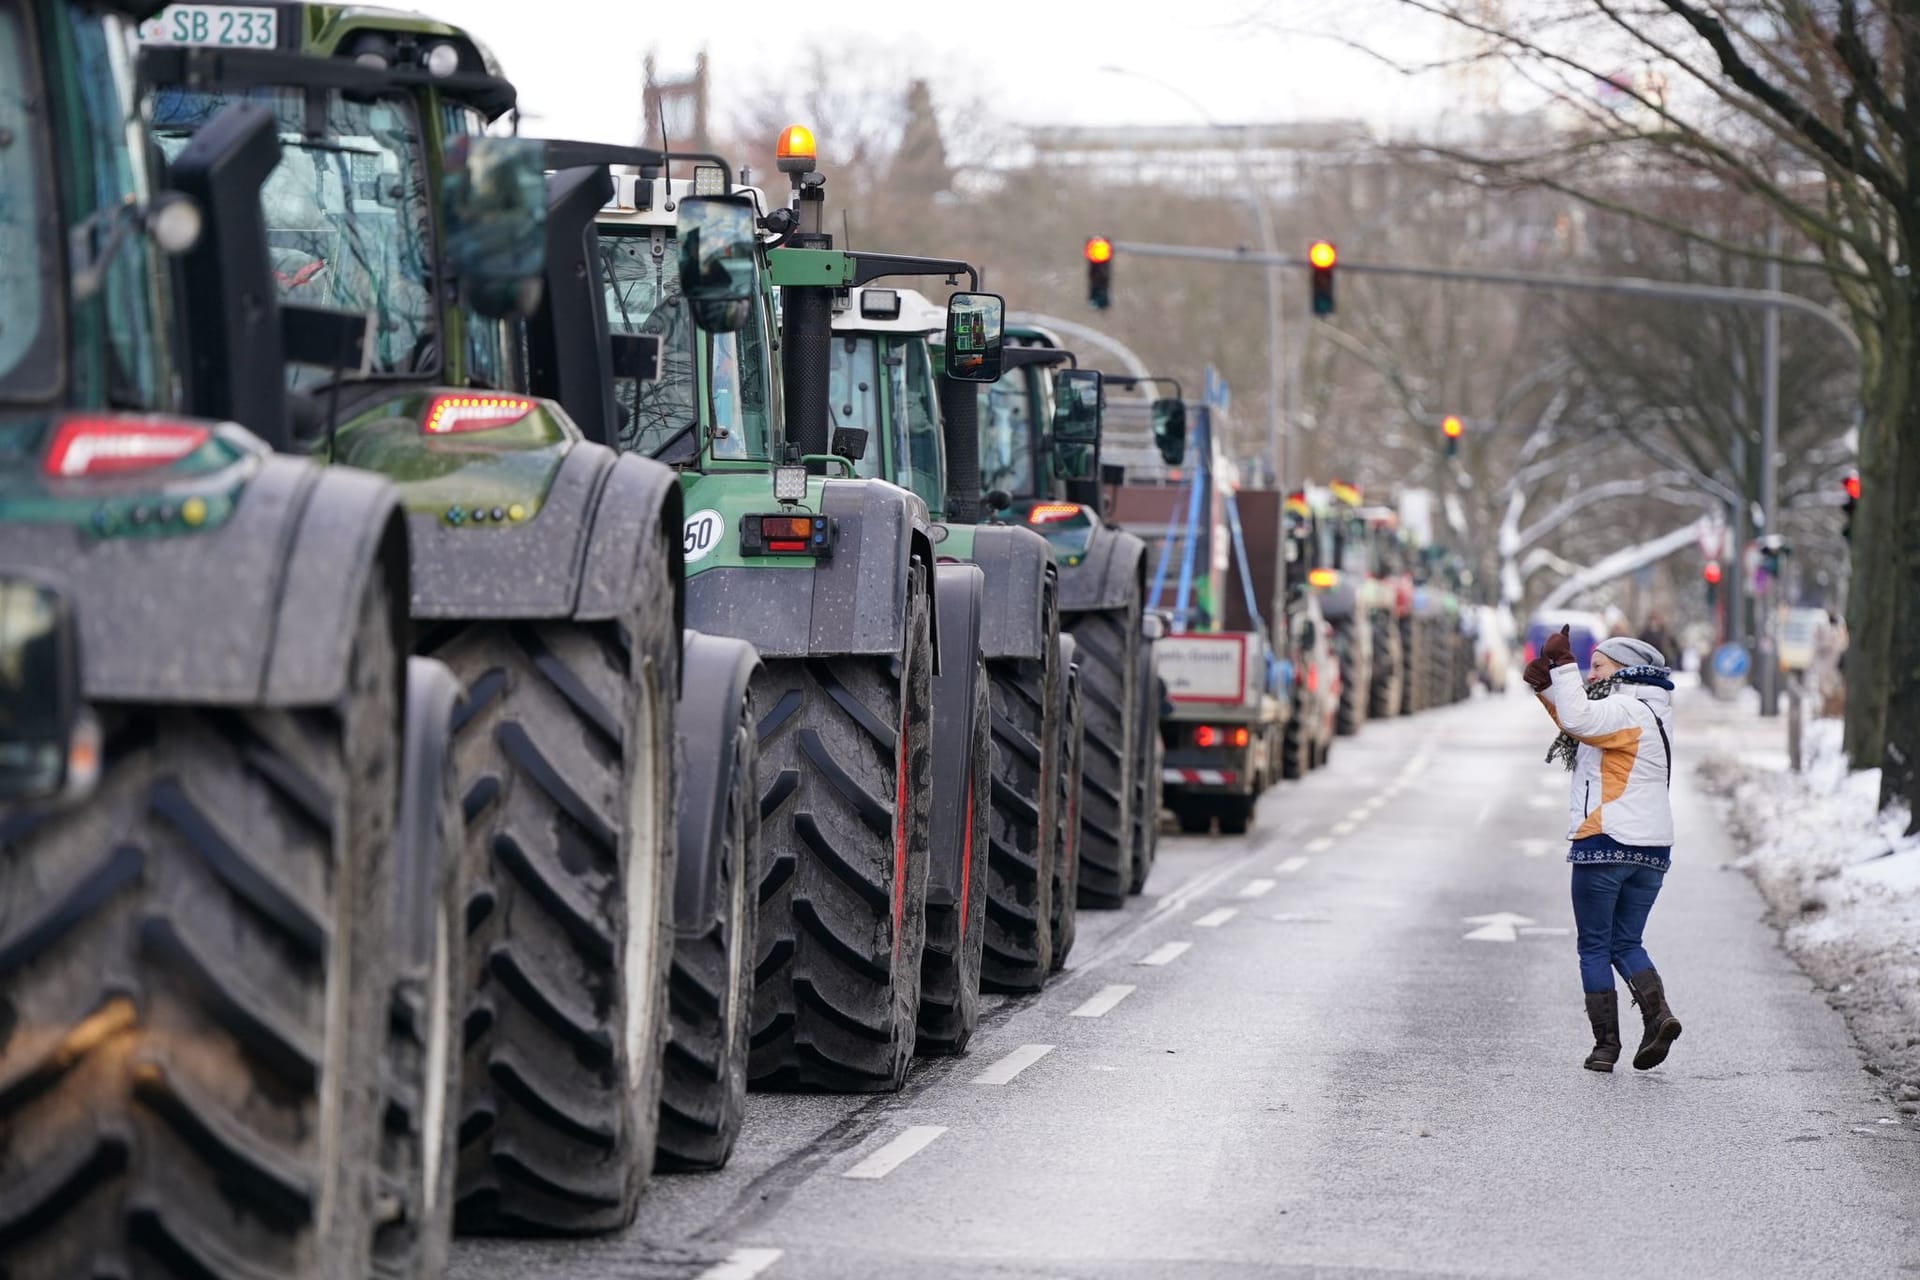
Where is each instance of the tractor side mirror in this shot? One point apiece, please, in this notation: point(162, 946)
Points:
point(1170, 429)
point(718, 264)
point(494, 197)
point(976, 331)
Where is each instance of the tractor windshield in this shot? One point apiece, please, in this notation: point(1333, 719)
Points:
point(855, 397)
point(883, 384)
point(1007, 435)
point(346, 210)
point(29, 258)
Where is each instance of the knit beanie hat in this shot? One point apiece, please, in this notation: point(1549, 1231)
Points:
point(1629, 652)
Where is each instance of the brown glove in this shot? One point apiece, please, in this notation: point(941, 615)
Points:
point(1558, 650)
point(1539, 674)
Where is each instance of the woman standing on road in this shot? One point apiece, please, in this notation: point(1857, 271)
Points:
point(1615, 742)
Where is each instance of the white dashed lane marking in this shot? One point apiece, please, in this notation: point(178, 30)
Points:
point(1166, 954)
point(1257, 888)
point(742, 1264)
point(1103, 1001)
point(1344, 828)
point(1359, 813)
point(1013, 1064)
point(1216, 917)
point(896, 1153)
point(1319, 844)
point(1291, 865)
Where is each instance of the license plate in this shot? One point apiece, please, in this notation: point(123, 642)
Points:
point(215, 24)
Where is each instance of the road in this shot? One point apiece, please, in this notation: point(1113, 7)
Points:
point(1289, 1059)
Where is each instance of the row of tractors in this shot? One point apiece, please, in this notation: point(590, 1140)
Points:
point(505, 644)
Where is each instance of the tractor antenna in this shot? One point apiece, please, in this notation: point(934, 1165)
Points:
point(666, 155)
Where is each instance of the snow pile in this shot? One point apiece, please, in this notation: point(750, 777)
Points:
point(1844, 886)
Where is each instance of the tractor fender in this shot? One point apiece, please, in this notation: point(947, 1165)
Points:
point(962, 588)
point(639, 513)
point(1019, 565)
point(257, 611)
point(432, 697)
point(1109, 576)
point(852, 602)
point(716, 673)
point(530, 570)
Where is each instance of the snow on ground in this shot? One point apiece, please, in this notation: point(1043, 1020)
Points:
point(1842, 881)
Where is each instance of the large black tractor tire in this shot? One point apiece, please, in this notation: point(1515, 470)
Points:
point(703, 1096)
point(1023, 858)
point(1235, 814)
point(1352, 711)
point(1068, 793)
point(1412, 667)
point(846, 770)
point(951, 970)
point(1147, 780)
point(1383, 698)
point(421, 1068)
point(1296, 744)
point(194, 976)
point(1108, 644)
point(565, 752)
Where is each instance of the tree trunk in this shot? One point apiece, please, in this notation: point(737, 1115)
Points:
point(1874, 593)
point(1900, 761)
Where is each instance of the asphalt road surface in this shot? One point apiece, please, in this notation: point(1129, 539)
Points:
point(1290, 1058)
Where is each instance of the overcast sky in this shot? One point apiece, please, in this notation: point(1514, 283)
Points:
point(577, 62)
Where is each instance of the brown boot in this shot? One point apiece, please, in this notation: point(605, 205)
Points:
point(1603, 1011)
point(1662, 1027)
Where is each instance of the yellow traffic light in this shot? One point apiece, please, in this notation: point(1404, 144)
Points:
point(1452, 427)
point(1322, 254)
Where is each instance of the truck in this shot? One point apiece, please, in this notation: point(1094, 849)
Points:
point(230, 891)
point(923, 435)
point(1224, 726)
point(545, 573)
point(834, 580)
point(1338, 563)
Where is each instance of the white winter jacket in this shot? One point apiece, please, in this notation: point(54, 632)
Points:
point(1622, 770)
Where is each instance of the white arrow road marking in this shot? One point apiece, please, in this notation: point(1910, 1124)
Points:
point(1216, 917)
point(1167, 954)
point(1103, 1001)
point(1257, 888)
point(1533, 847)
point(1501, 926)
point(896, 1153)
point(742, 1264)
point(1291, 865)
point(1319, 844)
point(1013, 1064)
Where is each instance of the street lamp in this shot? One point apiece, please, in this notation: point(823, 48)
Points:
point(1277, 437)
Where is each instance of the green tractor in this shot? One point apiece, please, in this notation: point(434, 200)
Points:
point(545, 573)
point(926, 428)
point(835, 581)
point(1040, 466)
point(230, 887)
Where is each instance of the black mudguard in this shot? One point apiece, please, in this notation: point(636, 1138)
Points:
point(257, 612)
point(1111, 574)
point(716, 671)
point(962, 589)
point(432, 697)
point(854, 601)
point(1023, 583)
point(574, 559)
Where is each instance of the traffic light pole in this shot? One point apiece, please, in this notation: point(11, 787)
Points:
point(1773, 300)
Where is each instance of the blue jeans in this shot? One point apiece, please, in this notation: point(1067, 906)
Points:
point(1611, 902)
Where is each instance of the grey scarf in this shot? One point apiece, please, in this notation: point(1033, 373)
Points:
point(1566, 747)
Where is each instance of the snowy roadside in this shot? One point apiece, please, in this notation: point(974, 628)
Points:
point(1842, 883)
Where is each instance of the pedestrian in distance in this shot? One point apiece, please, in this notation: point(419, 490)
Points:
point(1616, 744)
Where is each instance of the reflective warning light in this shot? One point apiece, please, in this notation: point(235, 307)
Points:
point(794, 152)
point(1323, 577)
point(114, 446)
point(1054, 512)
point(1852, 485)
point(1711, 572)
point(1240, 737)
point(1322, 254)
point(1451, 427)
point(1206, 736)
point(451, 413)
point(1099, 249)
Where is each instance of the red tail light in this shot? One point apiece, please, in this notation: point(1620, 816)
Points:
point(1206, 736)
point(1054, 512)
point(1240, 737)
point(485, 412)
point(115, 446)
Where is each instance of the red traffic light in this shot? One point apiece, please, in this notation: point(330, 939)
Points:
point(1852, 484)
point(1099, 249)
point(1711, 572)
point(1451, 427)
point(1321, 254)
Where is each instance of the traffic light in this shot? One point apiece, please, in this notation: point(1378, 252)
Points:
point(1852, 484)
point(1100, 272)
point(1711, 572)
point(1321, 256)
point(1452, 428)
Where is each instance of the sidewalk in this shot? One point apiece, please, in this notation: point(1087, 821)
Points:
point(1841, 883)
